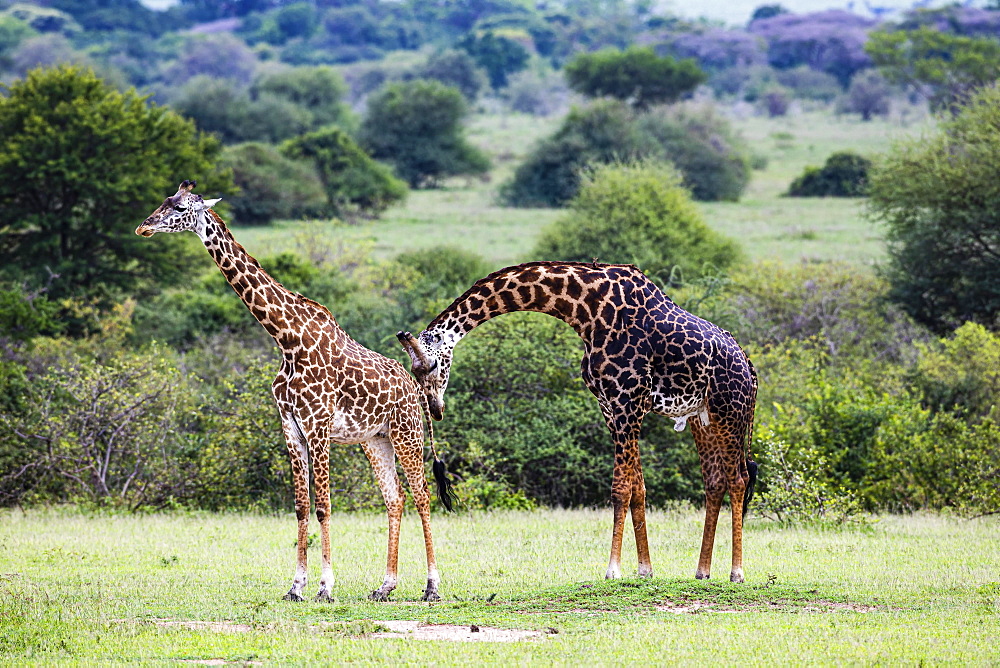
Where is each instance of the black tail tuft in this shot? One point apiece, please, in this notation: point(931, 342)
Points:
point(748, 494)
point(445, 492)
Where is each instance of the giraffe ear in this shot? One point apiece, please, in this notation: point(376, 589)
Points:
point(209, 203)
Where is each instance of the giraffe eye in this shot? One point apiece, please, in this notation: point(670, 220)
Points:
point(181, 207)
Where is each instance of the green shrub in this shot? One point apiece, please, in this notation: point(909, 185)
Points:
point(417, 126)
point(636, 75)
point(845, 174)
point(638, 214)
point(243, 460)
point(962, 372)
point(700, 142)
point(519, 415)
point(354, 183)
point(601, 133)
point(271, 185)
point(715, 164)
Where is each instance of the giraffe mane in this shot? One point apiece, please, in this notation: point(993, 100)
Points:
point(524, 265)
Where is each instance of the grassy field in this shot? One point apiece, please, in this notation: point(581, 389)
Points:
point(169, 588)
point(465, 213)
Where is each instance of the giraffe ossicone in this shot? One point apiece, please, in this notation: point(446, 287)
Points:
point(329, 389)
point(643, 354)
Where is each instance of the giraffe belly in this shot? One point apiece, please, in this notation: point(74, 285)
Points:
point(681, 407)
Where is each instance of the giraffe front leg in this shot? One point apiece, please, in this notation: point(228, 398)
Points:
point(321, 485)
point(621, 494)
point(411, 457)
point(298, 453)
point(638, 506)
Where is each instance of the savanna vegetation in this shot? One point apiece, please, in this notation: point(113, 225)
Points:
point(824, 186)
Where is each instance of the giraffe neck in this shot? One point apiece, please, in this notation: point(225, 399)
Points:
point(280, 311)
point(578, 294)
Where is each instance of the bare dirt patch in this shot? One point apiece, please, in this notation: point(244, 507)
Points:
point(419, 631)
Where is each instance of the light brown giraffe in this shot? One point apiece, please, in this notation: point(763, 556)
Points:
point(330, 389)
point(642, 353)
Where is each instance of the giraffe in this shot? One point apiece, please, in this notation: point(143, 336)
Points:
point(330, 389)
point(642, 353)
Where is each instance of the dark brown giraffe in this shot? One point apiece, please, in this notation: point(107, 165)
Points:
point(330, 389)
point(642, 353)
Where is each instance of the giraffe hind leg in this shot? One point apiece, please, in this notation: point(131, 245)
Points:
point(382, 458)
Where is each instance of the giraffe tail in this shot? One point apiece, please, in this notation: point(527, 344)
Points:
point(751, 464)
point(444, 485)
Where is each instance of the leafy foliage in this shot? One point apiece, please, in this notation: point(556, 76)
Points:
point(637, 76)
point(938, 197)
point(638, 214)
point(845, 174)
point(417, 126)
point(354, 183)
point(80, 166)
point(500, 56)
point(271, 185)
point(867, 95)
point(830, 41)
point(699, 142)
point(947, 68)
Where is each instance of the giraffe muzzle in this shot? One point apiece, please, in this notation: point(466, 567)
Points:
point(145, 231)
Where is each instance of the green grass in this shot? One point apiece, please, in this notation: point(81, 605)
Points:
point(465, 213)
point(79, 588)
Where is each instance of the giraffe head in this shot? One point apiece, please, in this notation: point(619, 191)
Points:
point(430, 358)
point(178, 213)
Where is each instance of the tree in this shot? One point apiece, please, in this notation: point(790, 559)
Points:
point(830, 41)
point(417, 126)
point(868, 95)
point(354, 183)
point(80, 166)
point(943, 67)
point(636, 75)
point(939, 198)
point(454, 68)
point(320, 90)
point(496, 54)
point(638, 214)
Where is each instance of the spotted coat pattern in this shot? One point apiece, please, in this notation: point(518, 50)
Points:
point(642, 353)
point(330, 389)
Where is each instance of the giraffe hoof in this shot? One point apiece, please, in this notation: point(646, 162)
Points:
point(323, 597)
point(292, 596)
point(702, 576)
point(430, 596)
point(379, 595)
point(736, 577)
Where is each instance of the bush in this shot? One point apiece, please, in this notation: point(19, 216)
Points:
point(537, 94)
point(698, 141)
point(520, 418)
point(942, 220)
point(318, 90)
point(101, 431)
point(417, 126)
point(271, 185)
point(845, 174)
point(701, 143)
point(638, 214)
point(550, 176)
point(961, 373)
point(354, 183)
